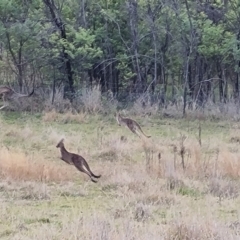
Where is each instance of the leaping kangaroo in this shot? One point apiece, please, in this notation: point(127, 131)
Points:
point(8, 93)
point(78, 161)
point(131, 124)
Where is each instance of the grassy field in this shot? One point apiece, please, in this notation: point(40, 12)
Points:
point(145, 192)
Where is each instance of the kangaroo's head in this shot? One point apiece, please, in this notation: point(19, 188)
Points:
point(60, 144)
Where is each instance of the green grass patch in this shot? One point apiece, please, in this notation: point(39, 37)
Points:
point(188, 191)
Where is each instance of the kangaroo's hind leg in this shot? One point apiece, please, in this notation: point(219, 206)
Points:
point(89, 170)
point(81, 168)
point(5, 103)
point(135, 130)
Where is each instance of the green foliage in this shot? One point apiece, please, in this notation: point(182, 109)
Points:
point(161, 32)
point(123, 66)
point(213, 40)
point(85, 44)
point(187, 191)
point(79, 45)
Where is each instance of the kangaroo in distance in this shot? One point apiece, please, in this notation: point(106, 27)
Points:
point(78, 161)
point(131, 124)
point(8, 93)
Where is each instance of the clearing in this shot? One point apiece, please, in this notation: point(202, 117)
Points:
point(144, 192)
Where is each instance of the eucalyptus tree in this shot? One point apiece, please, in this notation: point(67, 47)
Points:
point(19, 30)
point(73, 44)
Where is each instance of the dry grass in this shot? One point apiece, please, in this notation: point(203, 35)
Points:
point(92, 99)
point(197, 229)
point(145, 192)
point(17, 165)
point(67, 117)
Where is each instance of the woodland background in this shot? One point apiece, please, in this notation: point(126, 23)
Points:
point(163, 52)
point(152, 58)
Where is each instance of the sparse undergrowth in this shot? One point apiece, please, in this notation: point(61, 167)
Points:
point(166, 187)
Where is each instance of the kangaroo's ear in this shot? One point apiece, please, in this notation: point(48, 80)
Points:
point(61, 141)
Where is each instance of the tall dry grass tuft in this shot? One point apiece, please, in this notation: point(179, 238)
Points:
point(57, 101)
point(91, 99)
point(18, 166)
point(195, 165)
point(229, 164)
point(184, 155)
point(153, 160)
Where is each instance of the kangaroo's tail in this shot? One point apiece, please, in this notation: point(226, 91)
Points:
point(143, 132)
point(88, 168)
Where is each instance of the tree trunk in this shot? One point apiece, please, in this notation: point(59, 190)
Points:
point(238, 74)
point(219, 70)
point(133, 21)
point(66, 61)
point(188, 50)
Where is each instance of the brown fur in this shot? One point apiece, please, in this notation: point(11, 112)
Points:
point(78, 161)
point(131, 124)
point(8, 93)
